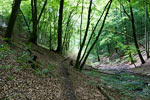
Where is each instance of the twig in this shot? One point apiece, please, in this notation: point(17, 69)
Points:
point(104, 92)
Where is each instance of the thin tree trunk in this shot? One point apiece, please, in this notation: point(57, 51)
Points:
point(108, 48)
point(130, 54)
point(134, 35)
point(12, 19)
point(35, 19)
point(45, 2)
point(55, 27)
point(67, 29)
point(81, 22)
point(25, 21)
point(146, 30)
point(97, 37)
point(98, 58)
point(59, 48)
point(93, 32)
point(33, 37)
point(85, 36)
point(50, 36)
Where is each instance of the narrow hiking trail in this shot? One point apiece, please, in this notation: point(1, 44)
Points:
point(18, 81)
point(69, 91)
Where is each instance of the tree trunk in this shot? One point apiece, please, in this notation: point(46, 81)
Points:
point(134, 35)
point(27, 24)
point(33, 37)
point(59, 48)
point(81, 22)
point(50, 37)
point(108, 48)
point(85, 36)
point(35, 20)
point(146, 30)
point(67, 30)
point(12, 19)
point(93, 33)
point(97, 51)
point(97, 37)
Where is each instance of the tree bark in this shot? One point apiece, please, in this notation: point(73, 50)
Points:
point(97, 37)
point(108, 48)
point(146, 30)
point(97, 51)
point(134, 35)
point(85, 36)
point(27, 24)
point(59, 48)
point(12, 19)
point(81, 22)
point(93, 33)
point(33, 37)
point(35, 20)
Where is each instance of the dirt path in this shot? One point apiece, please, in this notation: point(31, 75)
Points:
point(19, 81)
point(68, 88)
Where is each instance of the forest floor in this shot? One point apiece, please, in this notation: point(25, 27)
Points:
point(48, 78)
point(51, 77)
point(120, 64)
point(130, 80)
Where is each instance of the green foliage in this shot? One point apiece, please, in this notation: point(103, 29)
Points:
point(48, 70)
point(129, 85)
point(45, 72)
point(7, 67)
point(4, 51)
point(28, 45)
point(6, 99)
point(24, 57)
point(117, 26)
point(24, 66)
point(5, 39)
point(10, 78)
point(5, 7)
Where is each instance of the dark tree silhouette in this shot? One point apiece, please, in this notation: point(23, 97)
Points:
point(35, 20)
point(134, 35)
point(59, 48)
point(12, 19)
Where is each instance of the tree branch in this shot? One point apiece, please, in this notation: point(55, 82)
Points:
point(42, 11)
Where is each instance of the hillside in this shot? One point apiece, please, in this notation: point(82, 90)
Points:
point(74, 50)
point(49, 77)
point(52, 79)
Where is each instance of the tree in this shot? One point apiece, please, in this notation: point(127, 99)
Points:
point(97, 37)
point(134, 34)
point(59, 48)
point(81, 22)
point(132, 20)
point(146, 29)
point(35, 20)
point(12, 19)
point(81, 61)
point(85, 35)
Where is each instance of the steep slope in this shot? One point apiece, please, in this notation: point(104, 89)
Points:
point(48, 77)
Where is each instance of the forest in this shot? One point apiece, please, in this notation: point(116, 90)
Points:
point(74, 50)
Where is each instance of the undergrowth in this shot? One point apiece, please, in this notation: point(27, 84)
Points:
point(128, 85)
point(24, 61)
